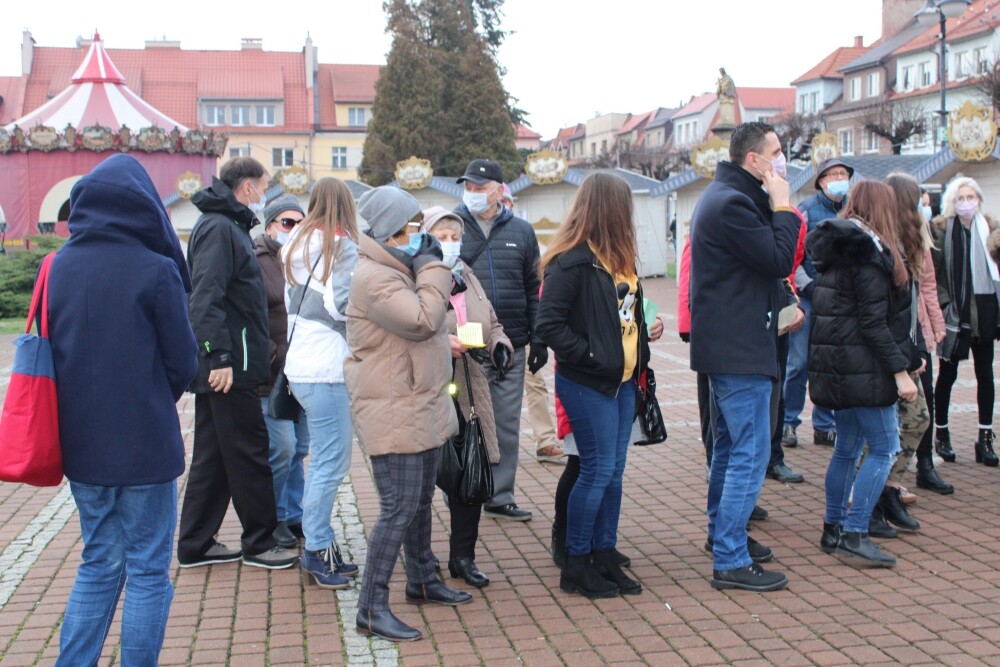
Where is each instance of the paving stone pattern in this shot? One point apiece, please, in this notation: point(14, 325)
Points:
point(941, 605)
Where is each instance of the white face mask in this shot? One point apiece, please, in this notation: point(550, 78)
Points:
point(477, 202)
point(451, 250)
point(281, 238)
point(258, 207)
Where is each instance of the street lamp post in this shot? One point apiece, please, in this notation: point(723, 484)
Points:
point(939, 11)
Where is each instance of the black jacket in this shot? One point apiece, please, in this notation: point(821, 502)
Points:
point(861, 322)
point(227, 305)
point(740, 252)
point(506, 264)
point(268, 256)
point(578, 320)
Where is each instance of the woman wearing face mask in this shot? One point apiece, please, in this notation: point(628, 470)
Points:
point(470, 306)
point(968, 289)
point(319, 259)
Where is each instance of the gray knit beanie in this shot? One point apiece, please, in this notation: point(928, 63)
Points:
point(280, 205)
point(387, 209)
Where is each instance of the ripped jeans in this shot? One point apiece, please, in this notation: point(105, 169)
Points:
point(879, 427)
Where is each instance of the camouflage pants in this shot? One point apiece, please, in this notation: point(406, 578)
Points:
point(913, 422)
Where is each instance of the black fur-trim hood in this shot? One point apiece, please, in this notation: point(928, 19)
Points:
point(839, 242)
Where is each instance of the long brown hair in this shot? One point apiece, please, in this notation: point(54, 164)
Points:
point(331, 213)
point(601, 215)
point(910, 222)
point(874, 204)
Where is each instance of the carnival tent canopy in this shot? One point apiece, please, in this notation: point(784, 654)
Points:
point(97, 96)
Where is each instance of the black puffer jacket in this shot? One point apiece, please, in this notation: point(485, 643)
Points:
point(506, 264)
point(861, 322)
point(227, 305)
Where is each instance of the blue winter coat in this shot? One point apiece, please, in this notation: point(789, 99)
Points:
point(122, 344)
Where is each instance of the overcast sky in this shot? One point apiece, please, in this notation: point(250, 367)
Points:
point(565, 61)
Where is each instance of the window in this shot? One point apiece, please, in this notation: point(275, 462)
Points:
point(802, 104)
point(924, 72)
point(604, 146)
point(962, 65)
point(846, 140)
point(908, 80)
point(282, 157)
point(813, 102)
point(855, 89)
point(357, 116)
point(873, 84)
point(242, 151)
point(215, 115)
point(871, 142)
point(593, 149)
point(241, 115)
point(339, 157)
point(265, 115)
point(979, 60)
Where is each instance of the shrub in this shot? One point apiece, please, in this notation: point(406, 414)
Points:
point(17, 274)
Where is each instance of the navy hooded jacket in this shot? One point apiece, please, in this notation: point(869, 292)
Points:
point(122, 344)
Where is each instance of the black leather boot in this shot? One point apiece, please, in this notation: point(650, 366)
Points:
point(559, 546)
point(831, 537)
point(607, 565)
point(465, 568)
point(984, 449)
point(580, 576)
point(942, 444)
point(859, 546)
point(928, 478)
point(894, 511)
point(385, 625)
point(877, 526)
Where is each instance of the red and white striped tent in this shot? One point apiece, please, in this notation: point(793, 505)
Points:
point(97, 95)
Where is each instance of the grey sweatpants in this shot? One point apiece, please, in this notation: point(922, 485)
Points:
point(507, 396)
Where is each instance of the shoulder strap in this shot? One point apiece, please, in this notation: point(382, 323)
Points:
point(303, 298)
point(40, 298)
point(468, 384)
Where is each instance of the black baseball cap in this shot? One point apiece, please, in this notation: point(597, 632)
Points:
point(481, 171)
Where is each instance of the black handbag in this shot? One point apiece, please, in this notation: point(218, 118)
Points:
point(654, 430)
point(281, 403)
point(476, 485)
point(449, 473)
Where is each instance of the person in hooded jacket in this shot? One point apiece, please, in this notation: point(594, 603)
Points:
point(397, 377)
point(124, 353)
point(228, 310)
point(861, 354)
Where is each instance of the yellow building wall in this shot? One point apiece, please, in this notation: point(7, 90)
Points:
point(343, 115)
point(322, 154)
point(261, 147)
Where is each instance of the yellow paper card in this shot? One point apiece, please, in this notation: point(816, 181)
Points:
point(471, 334)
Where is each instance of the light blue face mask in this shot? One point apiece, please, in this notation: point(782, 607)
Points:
point(838, 188)
point(925, 212)
point(282, 238)
point(416, 239)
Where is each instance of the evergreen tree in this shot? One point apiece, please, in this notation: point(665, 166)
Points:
point(440, 96)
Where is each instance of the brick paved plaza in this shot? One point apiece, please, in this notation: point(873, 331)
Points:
point(941, 605)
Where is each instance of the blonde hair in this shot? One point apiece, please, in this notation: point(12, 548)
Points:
point(331, 213)
point(950, 192)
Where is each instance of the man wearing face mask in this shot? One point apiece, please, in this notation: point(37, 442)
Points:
point(229, 316)
point(502, 251)
point(744, 234)
point(832, 182)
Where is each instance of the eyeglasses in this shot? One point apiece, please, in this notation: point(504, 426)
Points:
point(966, 199)
point(288, 223)
point(837, 174)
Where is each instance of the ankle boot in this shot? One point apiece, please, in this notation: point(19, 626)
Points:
point(607, 565)
point(942, 444)
point(831, 537)
point(928, 478)
point(859, 546)
point(984, 449)
point(580, 576)
point(877, 526)
point(559, 546)
point(895, 512)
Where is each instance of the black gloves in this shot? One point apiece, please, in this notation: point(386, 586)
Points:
point(429, 251)
point(457, 284)
point(501, 361)
point(538, 356)
point(685, 336)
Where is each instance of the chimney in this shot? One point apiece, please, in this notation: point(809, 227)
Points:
point(163, 43)
point(27, 52)
point(311, 61)
point(897, 14)
point(859, 42)
point(251, 44)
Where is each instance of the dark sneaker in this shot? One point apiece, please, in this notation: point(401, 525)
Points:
point(275, 558)
point(284, 537)
point(341, 566)
point(758, 552)
point(296, 529)
point(825, 438)
point(758, 513)
point(217, 553)
point(319, 566)
point(879, 527)
point(788, 437)
point(750, 578)
point(784, 474)
point(509, 512)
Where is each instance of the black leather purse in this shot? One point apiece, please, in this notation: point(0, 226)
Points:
point(651, 423)
point(281, 403)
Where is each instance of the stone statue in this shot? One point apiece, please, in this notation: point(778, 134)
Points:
point(726, 92)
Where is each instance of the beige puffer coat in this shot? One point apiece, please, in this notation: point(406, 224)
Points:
point(478, 309)
point(400, 363)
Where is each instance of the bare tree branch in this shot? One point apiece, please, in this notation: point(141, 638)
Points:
point(895, 121)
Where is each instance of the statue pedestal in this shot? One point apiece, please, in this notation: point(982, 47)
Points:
point(724, 131)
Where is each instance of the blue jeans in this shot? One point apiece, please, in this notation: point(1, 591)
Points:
point(601, 427)
point(879, 427)
point(328, 414)
point(128, 539)
point(797, 376)
point(742, 451)
point(289, 445)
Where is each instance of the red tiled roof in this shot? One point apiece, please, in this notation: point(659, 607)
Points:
point(525, 132)
point(980, 17)
point(696, 105)
point(766, 98)
point(827, 68)
point(11, 89)
point(341, 84)
point(637, 121)
point(561, 142)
